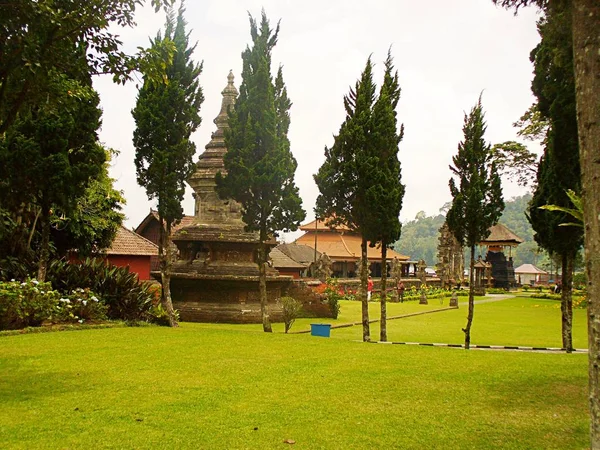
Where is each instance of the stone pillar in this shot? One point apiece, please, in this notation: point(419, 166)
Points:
point(454, 299)
point(423, 299)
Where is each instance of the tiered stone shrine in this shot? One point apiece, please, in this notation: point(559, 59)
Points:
point(215, 276)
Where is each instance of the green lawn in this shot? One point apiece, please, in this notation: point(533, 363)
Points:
point(521, 321)
point(226, 386)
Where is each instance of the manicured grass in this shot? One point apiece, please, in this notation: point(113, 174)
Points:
point(520, 321)
point(227, 386)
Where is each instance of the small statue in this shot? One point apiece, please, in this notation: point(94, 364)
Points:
point(323, 268)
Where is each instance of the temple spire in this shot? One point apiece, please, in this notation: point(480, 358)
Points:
point(229, 94)
point(209, 208)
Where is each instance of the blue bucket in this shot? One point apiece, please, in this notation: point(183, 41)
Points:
point(320, 329)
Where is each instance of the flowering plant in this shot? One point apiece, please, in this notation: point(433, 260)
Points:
point(27, 303)
point(80, 305)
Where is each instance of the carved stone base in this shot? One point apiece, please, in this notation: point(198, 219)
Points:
point(423, 300)
point(454, 300)
point(227, 300)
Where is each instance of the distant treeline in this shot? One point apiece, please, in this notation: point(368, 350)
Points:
point(419, 238)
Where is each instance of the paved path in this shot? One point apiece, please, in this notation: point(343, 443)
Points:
point(490, 298)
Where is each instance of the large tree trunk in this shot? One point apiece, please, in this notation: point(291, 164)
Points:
point(383, 329)
point(364, 275)
point(262, 283)
point(566, 302)
point(467, 329)
point(166, 264)
point(45, 244)
point(586, 51)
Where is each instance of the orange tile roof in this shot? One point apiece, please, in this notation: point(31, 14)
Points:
point(322, 226)
point(128, 242)
point(344, 246)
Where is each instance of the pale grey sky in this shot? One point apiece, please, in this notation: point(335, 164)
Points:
point(446, 53)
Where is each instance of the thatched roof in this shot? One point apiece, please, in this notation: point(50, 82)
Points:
point(502, 236)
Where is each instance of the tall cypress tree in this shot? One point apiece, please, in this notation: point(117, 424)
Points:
point(559, 170)
point(477, 202)
point(347, 173)
point(260, 166)
point(165, 115)
point(385, 195)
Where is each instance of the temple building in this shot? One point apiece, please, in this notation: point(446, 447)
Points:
point(215, 276)
point(499, 241)
point(343, 247)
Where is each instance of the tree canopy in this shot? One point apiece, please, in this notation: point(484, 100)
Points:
point(348, 172)
point(343, 178)
point(260, 166)
point(93, 224)
point(49, 155)
point(477, 201)
point(559, 169)
point(385, 195)
point(35, 36)
point(166, 114)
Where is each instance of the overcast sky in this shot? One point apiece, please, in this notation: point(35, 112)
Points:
point(446, 53)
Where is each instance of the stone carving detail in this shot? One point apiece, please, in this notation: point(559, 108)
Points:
point(323, 267)
point(359, 268)
point(450, 266)
point(209, 208)
point(421, 274)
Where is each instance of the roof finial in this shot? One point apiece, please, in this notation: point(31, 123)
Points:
point(230, 77)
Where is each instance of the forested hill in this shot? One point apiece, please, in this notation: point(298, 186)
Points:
point(419, 237)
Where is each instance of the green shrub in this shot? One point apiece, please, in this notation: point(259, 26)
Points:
point(496, 291)
point(579, 300)
point(26, 304)
point(12, 267)
point(291, 309)
point(580, 280)
point(333, 296)
point(159, 315)
point(125, 296)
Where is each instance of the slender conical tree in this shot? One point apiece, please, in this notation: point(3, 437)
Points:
point(559, 170)
point(477, 201)
point(260, 166)
point(165, 115)
point(385, 195)
point(346, 174)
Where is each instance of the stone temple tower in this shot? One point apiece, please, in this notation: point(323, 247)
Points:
point(209, 208)
point(215, 276)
